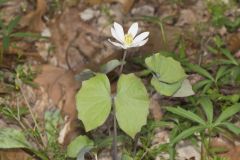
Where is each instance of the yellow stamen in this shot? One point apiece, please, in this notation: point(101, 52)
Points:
point(128, 39)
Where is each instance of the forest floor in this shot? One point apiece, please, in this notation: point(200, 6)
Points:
point(48, 45)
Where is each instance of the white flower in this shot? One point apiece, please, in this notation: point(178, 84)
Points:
point(130, 39)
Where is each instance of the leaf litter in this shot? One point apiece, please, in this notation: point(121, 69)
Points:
point(77, 41)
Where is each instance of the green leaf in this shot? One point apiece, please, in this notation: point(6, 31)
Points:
point(186, 114)
point(221, 72)
point(227, 113)
point(228, 54)
point(3, 1)
point(200, 70)
point(78, 145)
point(52, 120)
point(231, 127)
point(1, 22)
point(6, 42)
point(165, 88)
point(12, 138)
point(185, 90)
point(201, 84)
point(12, 24)
point(126, 157)
point(167, 69)
point(186, 133)
point(132, 104)
point(94, 101)
point(110, 66)
point(207, 107)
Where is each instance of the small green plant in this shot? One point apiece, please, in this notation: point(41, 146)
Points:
point(207, 126)
point(16, 138)
point(130, 103)
point(218, 9)
point(8, 33)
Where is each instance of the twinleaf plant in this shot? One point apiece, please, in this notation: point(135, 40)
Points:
point(130, 103)
point(94, 102)
point(169, 78)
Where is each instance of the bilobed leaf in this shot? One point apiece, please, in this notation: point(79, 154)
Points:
point(186, 114)
point(228, 112)
point(207, 107)
point(94, 101)
point(167, 69)
point(12, 138)
point(186, 133)
point(185, 90)
point(132, 104)
point(233, 128)
point(78, 145)
point(165, 88)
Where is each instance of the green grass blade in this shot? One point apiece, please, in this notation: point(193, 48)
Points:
point(186, 114)
point(207, 107)
point(187, 133)
point(200, 70)
point(227, 113)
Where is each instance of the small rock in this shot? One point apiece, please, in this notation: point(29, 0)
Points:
point(145, 10)
point(187, 151)
point(88, 14)
point(46, 33)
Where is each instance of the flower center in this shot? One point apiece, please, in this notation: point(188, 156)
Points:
point(128, 39)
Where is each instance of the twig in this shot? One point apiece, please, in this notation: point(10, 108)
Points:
point(32, 115)
point(114, 144)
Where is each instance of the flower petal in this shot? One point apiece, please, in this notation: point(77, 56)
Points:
point(116, 44)
point(133, 29)
point(115, 35)
point(140, 43)
point(140, 37)
point(119, 31)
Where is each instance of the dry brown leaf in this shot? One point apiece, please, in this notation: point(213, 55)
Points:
point(68, 29)
point(155, 108)
point(59, 84)
point(33, 20)
point(233, 41)
point(232, 151)
point(14, 154)
point(61, 88)
point(127, 4)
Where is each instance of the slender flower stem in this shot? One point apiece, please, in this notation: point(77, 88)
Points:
point(122, 64)
point(114, 144)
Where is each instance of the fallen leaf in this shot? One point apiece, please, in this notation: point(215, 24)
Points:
point(61, 88)
point(233, 42)
point(33, 20)
point(14, 154)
